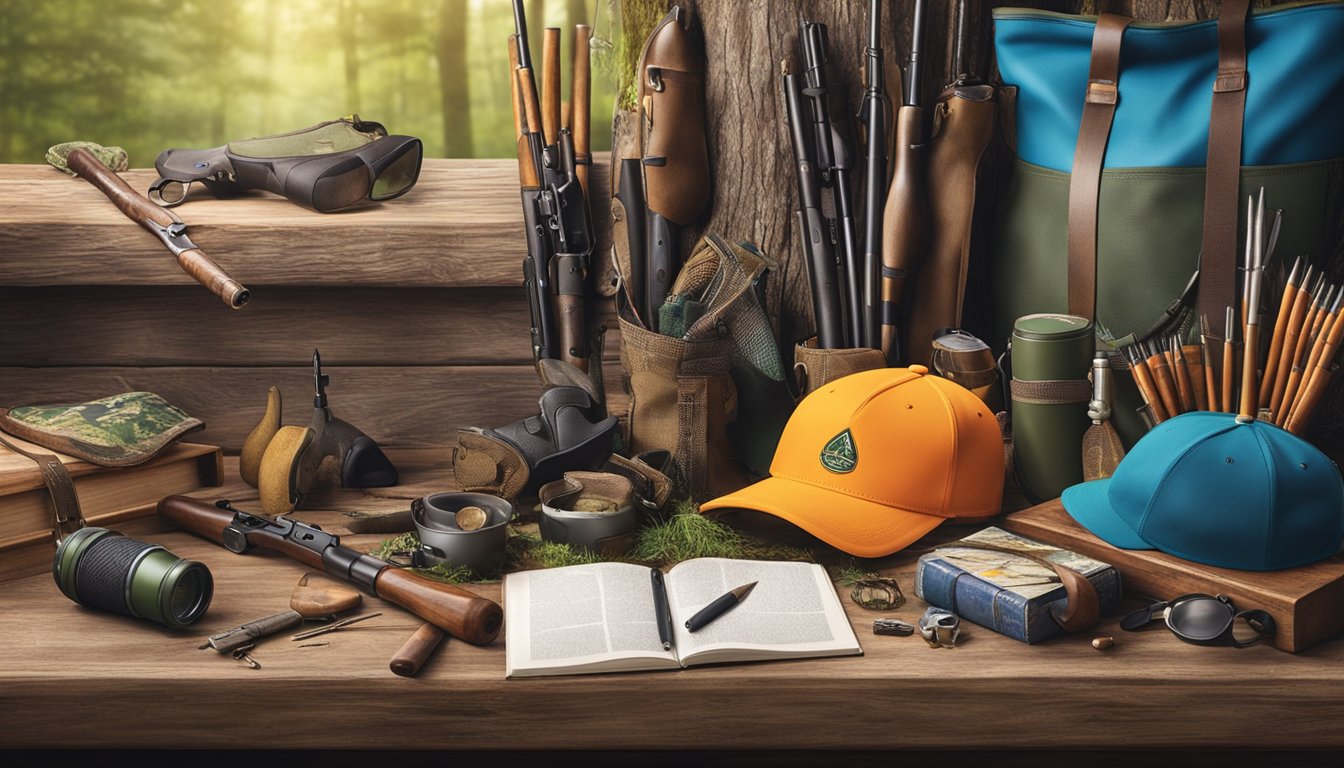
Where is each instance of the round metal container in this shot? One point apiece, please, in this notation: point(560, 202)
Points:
point(443, 541)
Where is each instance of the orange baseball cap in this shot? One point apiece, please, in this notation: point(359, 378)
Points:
point(873, 461)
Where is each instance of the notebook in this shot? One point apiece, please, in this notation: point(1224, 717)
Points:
point(601, 617)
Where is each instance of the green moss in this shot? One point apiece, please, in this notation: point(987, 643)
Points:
point(685, 535)
point(851, 573)
point(638, 18)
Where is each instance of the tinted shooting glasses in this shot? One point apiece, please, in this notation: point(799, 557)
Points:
point(1205, 620)
point(327, 168)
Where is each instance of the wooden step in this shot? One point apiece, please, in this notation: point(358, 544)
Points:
point(461, 226)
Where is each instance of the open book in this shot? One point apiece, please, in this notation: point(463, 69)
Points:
point(602, 617)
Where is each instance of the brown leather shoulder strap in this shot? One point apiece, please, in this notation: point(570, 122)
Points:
point(1103, 81)
point(1218, 256)
point(64, 500)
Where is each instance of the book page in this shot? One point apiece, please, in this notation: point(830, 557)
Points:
point(590, 618)
point(793, 611)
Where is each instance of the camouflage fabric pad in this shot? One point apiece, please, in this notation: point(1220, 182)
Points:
point(114, 158)
point(321, 139)
point(117, 431)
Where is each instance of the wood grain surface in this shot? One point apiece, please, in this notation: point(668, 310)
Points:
point(1305, 602)
point(461, 226)
point(128, 683)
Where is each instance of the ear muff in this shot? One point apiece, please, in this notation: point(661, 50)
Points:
point(254, 447)
point(279, 475)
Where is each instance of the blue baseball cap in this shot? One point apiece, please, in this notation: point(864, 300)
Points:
point(1219, 489)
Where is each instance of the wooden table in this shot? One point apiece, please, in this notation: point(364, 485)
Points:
point(128, 683)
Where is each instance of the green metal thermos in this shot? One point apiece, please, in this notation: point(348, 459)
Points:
point(1051, 355)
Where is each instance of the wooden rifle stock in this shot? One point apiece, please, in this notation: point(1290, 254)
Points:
point(550, 84)
point(453, 609)
point(161, 223)
point(580, 100)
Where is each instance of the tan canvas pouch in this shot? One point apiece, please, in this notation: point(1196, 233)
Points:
point(814, 368)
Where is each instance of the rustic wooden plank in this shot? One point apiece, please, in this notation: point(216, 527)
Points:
point(61, 659)
point(61, 326)
point(1303, 601)
point(460, 227)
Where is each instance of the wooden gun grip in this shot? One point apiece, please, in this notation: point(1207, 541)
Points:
point(455, 610)
point(550, 84)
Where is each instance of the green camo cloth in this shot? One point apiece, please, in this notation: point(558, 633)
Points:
point(117, 431)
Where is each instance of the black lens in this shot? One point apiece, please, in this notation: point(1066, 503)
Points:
point(1200, 619)
point(397, 174)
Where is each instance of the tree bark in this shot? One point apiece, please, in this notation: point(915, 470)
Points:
point(454, 83)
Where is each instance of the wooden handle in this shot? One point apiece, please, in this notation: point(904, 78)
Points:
point(453, 609)
point(1285, 367)
point(581, 102)
point(1185, 388)
point(1194, 363)
point(416, 651)
point(550, 84)
point(1276, 344)
point(529, 176)
point(134, 205)
point(1144, 378)
point(1227, 399)
point(573, 343)
point(1250, 393)
point(208, 521)
point(1166, 385)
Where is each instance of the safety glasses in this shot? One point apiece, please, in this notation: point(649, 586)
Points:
point(1205, 620)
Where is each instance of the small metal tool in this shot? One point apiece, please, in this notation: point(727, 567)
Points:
point(894, 627)
point(343, 623)
point(244, 654)
point(940, 628)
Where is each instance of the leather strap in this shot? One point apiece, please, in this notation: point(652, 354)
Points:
point(1103, 81)
point(64, 501)
point(1222, 183)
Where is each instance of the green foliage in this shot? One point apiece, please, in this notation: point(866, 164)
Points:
point(152, 74)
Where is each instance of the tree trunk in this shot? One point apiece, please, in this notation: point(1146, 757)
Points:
point(454, 85)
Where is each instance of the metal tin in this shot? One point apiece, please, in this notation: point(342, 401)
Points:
point(610, 533)
point(443, 541)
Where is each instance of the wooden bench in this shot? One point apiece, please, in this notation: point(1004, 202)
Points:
point(416, 305)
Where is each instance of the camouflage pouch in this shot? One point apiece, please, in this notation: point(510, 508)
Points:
point(118, 431)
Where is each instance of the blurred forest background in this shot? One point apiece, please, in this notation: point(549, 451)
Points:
point(152, 74)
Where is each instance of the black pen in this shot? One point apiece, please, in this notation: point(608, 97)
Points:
point(660, 607)
point(720, 606)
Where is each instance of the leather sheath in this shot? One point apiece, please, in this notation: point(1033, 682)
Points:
point(672, 123)
point(814, 368)
point(963, 125)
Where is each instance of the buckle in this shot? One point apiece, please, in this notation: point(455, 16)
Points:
point(1230, 80)
point(1102, 92)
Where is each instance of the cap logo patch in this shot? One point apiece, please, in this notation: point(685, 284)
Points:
point(840, 455)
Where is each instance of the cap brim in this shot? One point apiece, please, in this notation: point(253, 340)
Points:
point(857, 526)
point(1089, 504)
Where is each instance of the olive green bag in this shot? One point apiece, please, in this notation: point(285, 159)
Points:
point(1108, 212)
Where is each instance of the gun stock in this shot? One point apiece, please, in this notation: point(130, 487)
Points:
point(453, 609)
point(581, 99)
point(162, 224)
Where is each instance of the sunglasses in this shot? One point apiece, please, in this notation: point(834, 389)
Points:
point(1205, 620)
point(381, 170)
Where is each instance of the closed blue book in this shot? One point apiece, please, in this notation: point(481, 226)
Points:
point(1008, 594)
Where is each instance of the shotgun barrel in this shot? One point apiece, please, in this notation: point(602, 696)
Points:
point(455, 610)
point(875, 113)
